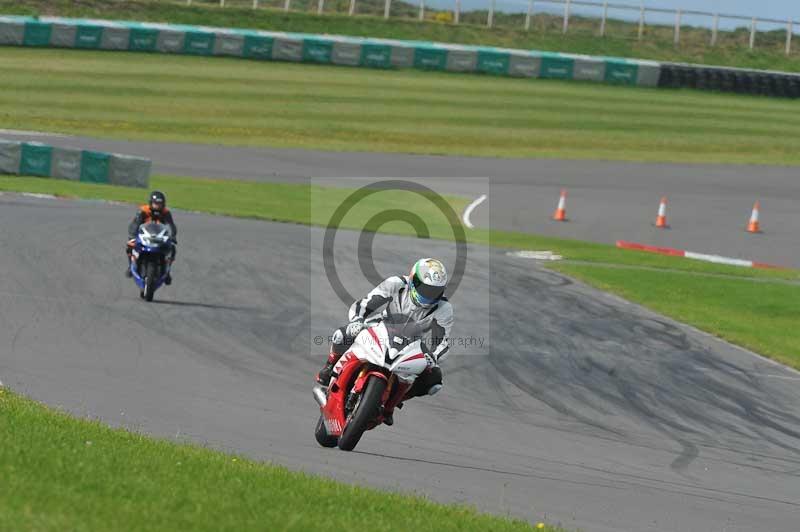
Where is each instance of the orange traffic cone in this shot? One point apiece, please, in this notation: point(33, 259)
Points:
point(561, 211)
point(753, 226)
point(661, 219)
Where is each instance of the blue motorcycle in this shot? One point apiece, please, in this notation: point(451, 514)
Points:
point(152, 251)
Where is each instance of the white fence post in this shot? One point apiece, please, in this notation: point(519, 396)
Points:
point(457, 12)
point(255, 4)
point(320, 6)
point(603, 20)
point(641, 22)
point(422, 9)
point(789, 31)
point(352, 9)
point(221, 3)
point(287, 5)
point(490, 17)
point(753, 33)
point(188, 2)
point(387, 7)
point(529, 15)
point(678, 14)
point(566, 16)
point(715, 30)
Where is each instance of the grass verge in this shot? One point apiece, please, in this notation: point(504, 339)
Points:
point(241, 102)
point(62, 473)
point(732, 47)
point(750, 307)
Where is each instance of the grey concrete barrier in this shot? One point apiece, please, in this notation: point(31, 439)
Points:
point(327, 49)
point(74, 164)
point(386, 53)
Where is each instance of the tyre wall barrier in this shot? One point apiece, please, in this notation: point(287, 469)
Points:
point(739, 80)
point(326, 49)
point(36, 159)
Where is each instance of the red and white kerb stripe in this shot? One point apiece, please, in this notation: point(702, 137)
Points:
point(718, 259)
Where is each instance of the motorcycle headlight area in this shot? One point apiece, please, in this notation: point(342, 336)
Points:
point(150, 239)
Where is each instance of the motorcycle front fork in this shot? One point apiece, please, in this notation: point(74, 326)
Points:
point(135, 260)
point(352, 399)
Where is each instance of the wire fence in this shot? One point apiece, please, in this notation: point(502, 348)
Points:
point(601, 19)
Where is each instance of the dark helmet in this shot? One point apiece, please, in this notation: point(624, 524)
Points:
point(158, 202)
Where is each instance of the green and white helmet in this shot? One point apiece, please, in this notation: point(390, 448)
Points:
point(427, 281)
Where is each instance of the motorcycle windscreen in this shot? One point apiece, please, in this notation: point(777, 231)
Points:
point(403, 330)
point(155, 229)
point(155, 234)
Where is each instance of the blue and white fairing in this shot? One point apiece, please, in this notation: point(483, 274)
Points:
point(152, 239)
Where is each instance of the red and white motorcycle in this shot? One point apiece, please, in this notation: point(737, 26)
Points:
point(371, 377)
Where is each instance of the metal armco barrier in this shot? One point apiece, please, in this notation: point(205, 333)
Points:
point(73, 164)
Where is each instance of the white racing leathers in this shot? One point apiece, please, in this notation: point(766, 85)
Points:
point(432, 324)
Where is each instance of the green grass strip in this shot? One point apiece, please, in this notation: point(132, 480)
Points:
point(240, 102)
point(61, 473)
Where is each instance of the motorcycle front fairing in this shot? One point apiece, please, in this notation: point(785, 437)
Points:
point(400, 357)
point(373, 353)
point(152, 239)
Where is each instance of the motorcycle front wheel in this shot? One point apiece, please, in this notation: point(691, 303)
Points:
point(150, 278)
point(364, 413)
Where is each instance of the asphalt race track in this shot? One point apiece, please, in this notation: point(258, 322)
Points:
point(709, 205)
point(589, 411)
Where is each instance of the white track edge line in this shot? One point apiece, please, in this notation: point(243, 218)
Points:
point(470, 208)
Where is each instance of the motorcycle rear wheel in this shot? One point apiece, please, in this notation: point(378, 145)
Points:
point(322, 436)
point(365, 412)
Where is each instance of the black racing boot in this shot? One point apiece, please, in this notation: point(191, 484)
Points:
point(168, 278)
point(388, 415)
point(128, 255)
point(324, 375)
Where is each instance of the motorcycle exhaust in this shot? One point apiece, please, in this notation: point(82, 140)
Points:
point(434, 389)
point(320, 395)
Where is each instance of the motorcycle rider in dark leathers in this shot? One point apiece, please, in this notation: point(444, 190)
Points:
point(155, 210)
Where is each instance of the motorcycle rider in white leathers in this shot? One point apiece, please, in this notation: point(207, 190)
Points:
point(417, 297)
